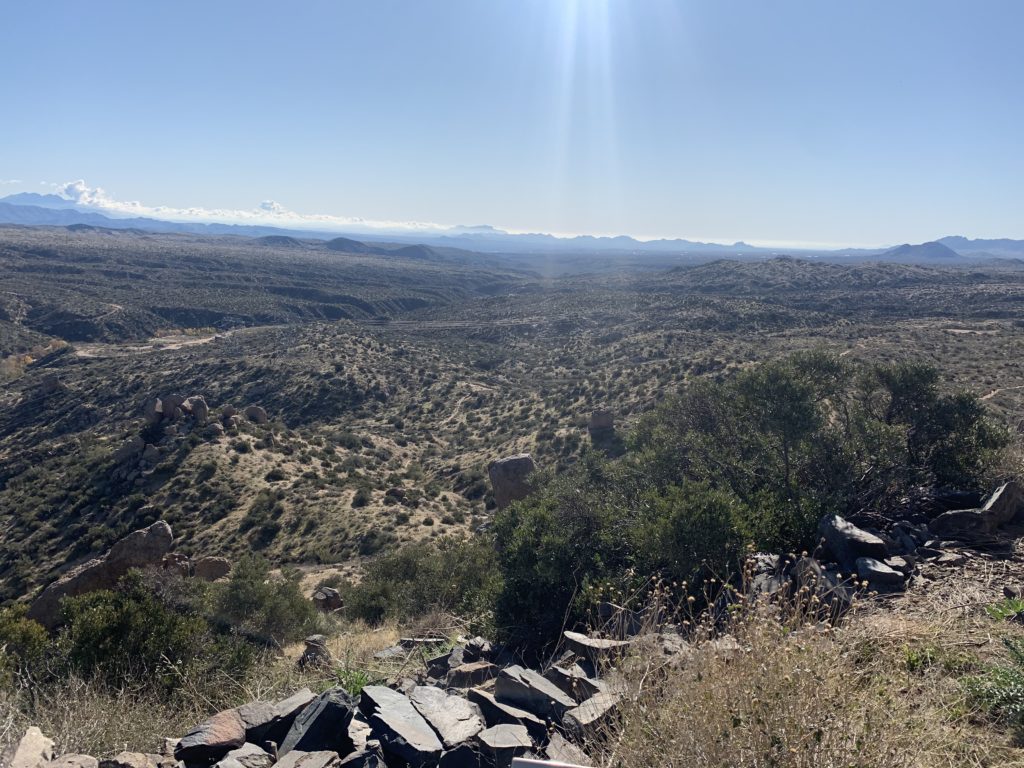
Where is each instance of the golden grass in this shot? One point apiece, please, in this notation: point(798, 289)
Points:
point(883, 689)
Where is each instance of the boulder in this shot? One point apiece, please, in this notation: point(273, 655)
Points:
point(212, 739)
point(214, 430)
point(153, 411)
point(847, 542)
point(501, 743)
point(142, 548)
point(528, 689)
point(197, 407)
point(499, 713)
point(364, 758)
point(323, 725)
point(574, 681)
point(594, 649)
point(1001, 507)
point(601, 420)
point(262, 725)
point(509, 478)
point(469, 675)
point(328, 600)
point(878, 573)
point(255, 414)
point(151, 454)
point(74, 761)
point(177, 562)
point(172, 406)
point(561, 750)
point(33, 750)
point(316, 655)
point(130, 449)
point(402, 731)
point(586, 719)
point(211, 568)
point(454, 718)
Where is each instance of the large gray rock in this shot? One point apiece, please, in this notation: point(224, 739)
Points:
point(509, 478)
point(211, 568)
point(574, 681)
point(197, 407)
point(323, 725)
point(212, 739)
point(529, 690)
point(847, 542)
point(255, 414)
point(500, 744)
point(469, 675)
point(498, 713)
point(402, 731)
point(562, 751)
point(595, 649)
point(454, 718)
point(129, 449)
point(33, 750)
point(878, 573)
point(153, 411)
point(139, 549)
point(588, 717)
point(1001, 507)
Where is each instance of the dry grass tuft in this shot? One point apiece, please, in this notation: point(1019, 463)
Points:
point(885, 688)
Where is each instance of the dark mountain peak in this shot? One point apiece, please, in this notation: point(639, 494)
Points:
point(931, 251)
point(280, 241)
point(347, 245)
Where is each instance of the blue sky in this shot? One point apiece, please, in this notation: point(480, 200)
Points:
point(788, 121)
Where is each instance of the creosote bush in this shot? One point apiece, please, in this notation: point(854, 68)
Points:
point(751, 461)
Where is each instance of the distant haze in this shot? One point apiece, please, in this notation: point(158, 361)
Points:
point(791, 123)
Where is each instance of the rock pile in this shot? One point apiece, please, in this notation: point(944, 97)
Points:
point(473, 707)
point(888, 558)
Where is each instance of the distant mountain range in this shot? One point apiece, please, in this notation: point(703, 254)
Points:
point(31, 209)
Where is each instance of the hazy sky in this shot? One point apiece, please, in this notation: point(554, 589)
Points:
point(863, 122)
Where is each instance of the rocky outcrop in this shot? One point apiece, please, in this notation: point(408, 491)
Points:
point(1002, 507)
point(142, 548)
point(212, 739)
point(211, 568)
point(33, 750)
point(509, 478)
point(256, 414)
point(846, 542)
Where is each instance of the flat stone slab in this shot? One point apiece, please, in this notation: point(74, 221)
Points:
point(212, 739)
point(247, 756)
point(594, 648)
point(401, 730)
point(876, 572)
point(529, 690)
point(574, 682)
point(498, 713)
point(501, 737)
point(323, 725)
point(591, 714)
point(472, 674)
point(74, 761)
point(562, 750)
point(455, 719)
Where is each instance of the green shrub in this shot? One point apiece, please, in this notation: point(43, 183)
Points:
point(448, 574)
point(262, 608)
point(23, 642)
point(999, 691)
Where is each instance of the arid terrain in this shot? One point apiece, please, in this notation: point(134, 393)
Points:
point(391, 381)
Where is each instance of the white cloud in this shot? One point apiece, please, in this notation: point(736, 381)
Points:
point(10, 181)
point(267, 212)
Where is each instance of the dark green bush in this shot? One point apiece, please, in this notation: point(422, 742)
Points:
point(269, 610)
point(754, 460)
point(449, 574)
